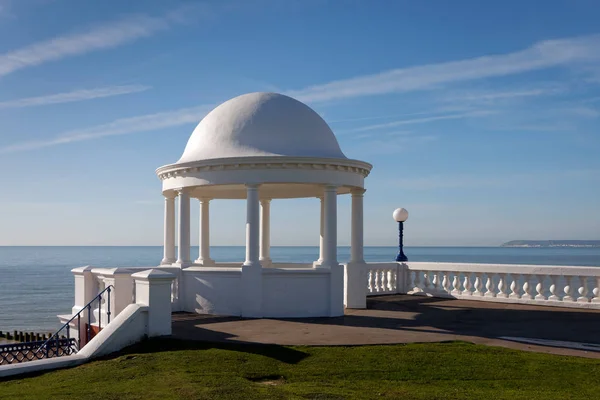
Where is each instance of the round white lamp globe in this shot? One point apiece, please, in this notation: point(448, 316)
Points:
point(400, 214)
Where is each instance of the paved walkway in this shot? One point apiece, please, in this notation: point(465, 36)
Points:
point(411, 319)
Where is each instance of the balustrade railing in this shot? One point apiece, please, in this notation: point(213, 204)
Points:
point(548, 285)
point(382, 279)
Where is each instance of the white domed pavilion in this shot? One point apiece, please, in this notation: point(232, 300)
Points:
point(261, 147)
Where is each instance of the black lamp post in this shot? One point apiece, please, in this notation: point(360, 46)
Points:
point(400, 216)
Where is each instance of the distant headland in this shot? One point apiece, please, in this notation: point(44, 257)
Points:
point(552, 243)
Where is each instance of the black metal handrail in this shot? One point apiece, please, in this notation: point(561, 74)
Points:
point(55, 338)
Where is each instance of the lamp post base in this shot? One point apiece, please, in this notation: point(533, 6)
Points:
point(401, 257)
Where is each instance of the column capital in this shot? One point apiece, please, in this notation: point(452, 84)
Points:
point(331, 188)
point(251, 186)
point(183, 190)
point(265, 201)
point(204, 199)
point(358, 191)
point(170, 195)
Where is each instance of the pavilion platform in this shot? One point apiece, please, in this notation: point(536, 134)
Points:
point(394, 319)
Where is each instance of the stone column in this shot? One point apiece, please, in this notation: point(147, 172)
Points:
point(330, 227)
point(204, 252)
point(356, 242)
point(252, 227)
point(321, 234)
point(169, 230)
point(183, 256)
point(265, 232)
point(355, 272)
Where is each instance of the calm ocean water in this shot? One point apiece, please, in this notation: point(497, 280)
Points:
point(36, 283)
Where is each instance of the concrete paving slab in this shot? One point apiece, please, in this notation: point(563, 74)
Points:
point(413, 319)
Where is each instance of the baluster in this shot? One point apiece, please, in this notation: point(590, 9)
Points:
point(455, 284)
point(392, 280)
point(377, 286)
point(539, 288)
point(467, 285)
point(502, 278)
point(567, 289)
point(489, 285)
point(596, 291)
point(435, 281)
point(478, 285)
point(514, 287)
point(384, 280)
point(526, 287)
point(370, 281)
point(552, 289)
point(583, 290)
point(417, 287)
point(445, 282)
point(426, 281)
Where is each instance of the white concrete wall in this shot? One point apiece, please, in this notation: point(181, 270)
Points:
point(295, 293)
point(213, 290)
point(129, 327)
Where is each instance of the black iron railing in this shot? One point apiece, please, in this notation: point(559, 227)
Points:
point(27, 351)
point(52, 347)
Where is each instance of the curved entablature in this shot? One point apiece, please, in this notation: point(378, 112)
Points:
point(279, 177)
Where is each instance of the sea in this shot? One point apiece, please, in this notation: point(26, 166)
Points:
point(36, 283)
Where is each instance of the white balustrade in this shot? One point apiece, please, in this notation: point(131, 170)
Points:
point(561, 286)
point(382, 279)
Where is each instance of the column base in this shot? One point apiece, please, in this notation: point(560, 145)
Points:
point(266, 262)
point(207, 262)
point(256, 264)
point(167, 261)
point(183, 264)
point(326, 264)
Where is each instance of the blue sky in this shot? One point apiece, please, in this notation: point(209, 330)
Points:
point(481, 118)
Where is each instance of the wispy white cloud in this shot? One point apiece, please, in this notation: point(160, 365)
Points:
point(123, 126)
point(423, 120)
point(492, 96)
point(390, 134)
point(335, 121)
point(542, 55)
point(393, 144)
point(460, 181)
point(101, 37)
point(73, 96)
point(583, 111)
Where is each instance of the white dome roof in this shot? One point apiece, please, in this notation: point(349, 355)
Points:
point(261, 124)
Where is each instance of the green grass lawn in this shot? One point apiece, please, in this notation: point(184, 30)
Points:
point(171, 369)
